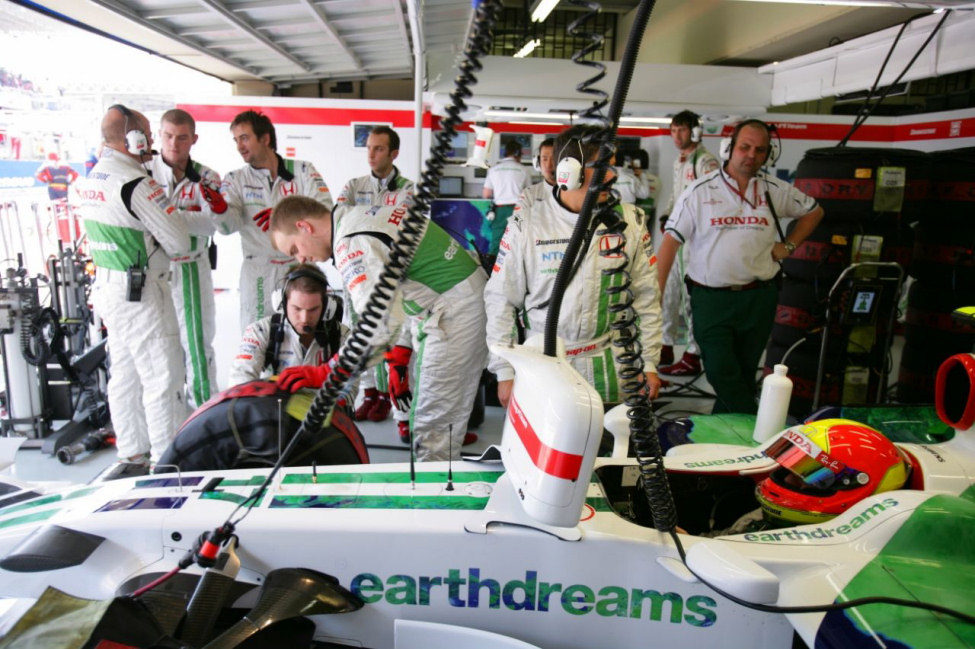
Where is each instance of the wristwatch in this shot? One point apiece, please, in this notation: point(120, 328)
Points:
point(791, 247)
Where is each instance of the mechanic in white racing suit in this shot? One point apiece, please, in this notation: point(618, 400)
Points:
point(693, 161)
point(133, 232)
point(383, 186)
point(633, 187)
point(442, 291)
point(251, 192)
point(532, 249)
point(544, 162)
point(191, 187)
point(306, 330)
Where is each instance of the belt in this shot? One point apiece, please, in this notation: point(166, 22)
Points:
point(758, 283)
point(111, 275)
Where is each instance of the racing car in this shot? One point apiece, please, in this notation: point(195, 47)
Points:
point(546, 545)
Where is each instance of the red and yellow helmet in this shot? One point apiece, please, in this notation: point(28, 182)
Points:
point(826, 467)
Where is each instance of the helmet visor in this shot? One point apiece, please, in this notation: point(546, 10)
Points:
point(806, 459)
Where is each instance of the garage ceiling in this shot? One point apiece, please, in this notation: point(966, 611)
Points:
point(291, 41)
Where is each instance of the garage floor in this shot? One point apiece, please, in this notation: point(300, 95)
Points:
point(684, 396)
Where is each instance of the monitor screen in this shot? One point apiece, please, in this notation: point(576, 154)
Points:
point(863, 302)
point(451, 187)
point(524, 139)
point(458, 147)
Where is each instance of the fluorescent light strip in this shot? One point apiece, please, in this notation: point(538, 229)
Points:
point(528, 48)
point(539, 123)
point(542, 10)
point(664, 121)
point(523, 115)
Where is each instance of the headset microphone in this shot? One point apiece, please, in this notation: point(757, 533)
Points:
point(568, 173)
point(136, 142)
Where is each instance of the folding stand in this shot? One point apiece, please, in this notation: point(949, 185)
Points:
point(866, 295)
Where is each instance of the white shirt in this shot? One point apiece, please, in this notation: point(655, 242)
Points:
point(730, 234)
point(507, 180)
point(689, 168)
point(629, 186)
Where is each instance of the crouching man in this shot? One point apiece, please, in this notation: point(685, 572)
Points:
point(305, 330)
point(443, 291)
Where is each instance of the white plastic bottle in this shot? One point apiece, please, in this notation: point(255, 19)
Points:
point(773, 405)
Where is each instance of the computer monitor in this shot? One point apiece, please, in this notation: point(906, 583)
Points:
point(524, 139)
point(458, 147)
point(451, 187)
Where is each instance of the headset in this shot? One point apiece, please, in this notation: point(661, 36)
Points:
point(327, 331)
point(309, 272)
point(568, 173)
point(136, 141)
point(693, 122)
point(537, 160)
point(696, 130)
point(774, 140)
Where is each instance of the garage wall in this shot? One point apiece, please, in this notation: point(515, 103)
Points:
point(320, 130)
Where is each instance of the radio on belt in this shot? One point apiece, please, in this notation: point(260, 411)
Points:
point(135, 277)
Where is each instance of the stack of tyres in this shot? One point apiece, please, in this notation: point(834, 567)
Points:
point(944, 268)
point(870, 198)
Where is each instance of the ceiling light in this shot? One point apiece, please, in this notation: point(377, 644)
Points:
point(541, 9)
point(665, 121)
point(528, 48)
point(522, 114)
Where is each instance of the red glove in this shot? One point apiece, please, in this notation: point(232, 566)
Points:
point(212, 195)
point(398, 371)
point(293, 379)
point(263, 219)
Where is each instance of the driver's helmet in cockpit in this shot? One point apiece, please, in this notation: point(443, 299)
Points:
point(826, 467)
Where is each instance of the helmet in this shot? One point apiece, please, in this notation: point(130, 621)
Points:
point(826, 467)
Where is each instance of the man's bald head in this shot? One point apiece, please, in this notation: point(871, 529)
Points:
point(116, 123)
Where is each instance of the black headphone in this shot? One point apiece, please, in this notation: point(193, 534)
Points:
point(774, 141)
point(307, 271)
point(328, 331)
point(136, 141)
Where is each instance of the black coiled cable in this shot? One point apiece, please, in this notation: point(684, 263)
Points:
point(357, 349)
point(626, 338)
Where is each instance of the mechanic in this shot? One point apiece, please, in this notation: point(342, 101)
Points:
point(545, 163)
point(251, 192)
point(531, 251)
point(384, 186)
point(503, 185)
point(693, 162)
point(442, 291)
point(730, 219)
point(634, 185)
point(191, 187)
point(305, 330)
point(57, 177)
point(134, 233)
